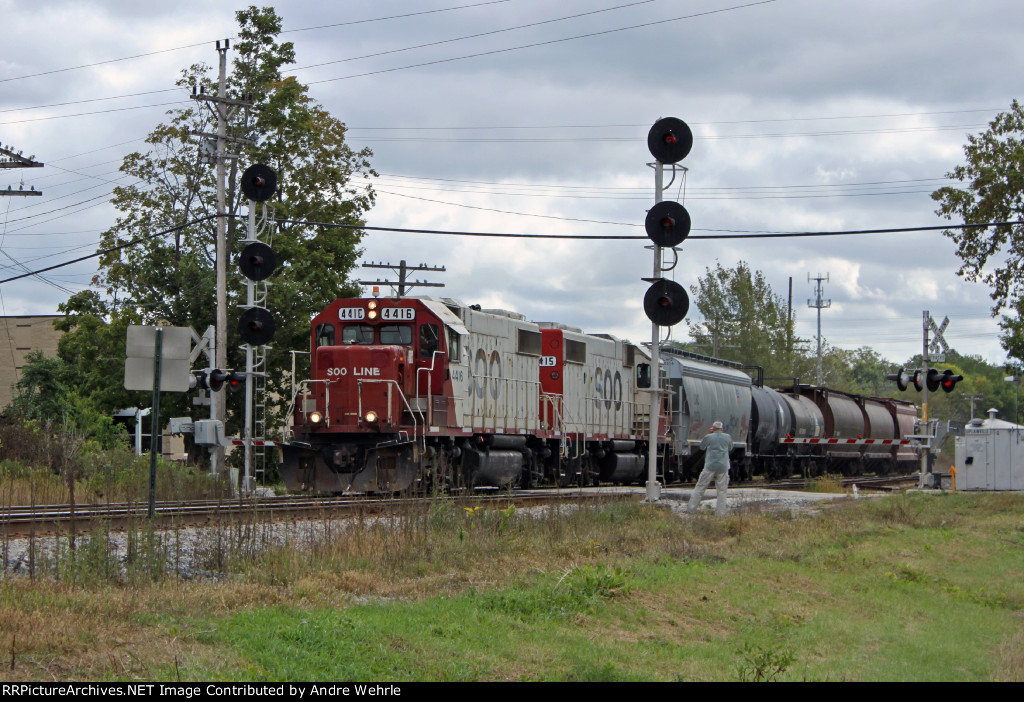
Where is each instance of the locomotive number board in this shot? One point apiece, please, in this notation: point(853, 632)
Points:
point(398, 314)
point(351, 313)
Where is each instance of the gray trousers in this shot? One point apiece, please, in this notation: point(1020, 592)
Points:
point(721, 486)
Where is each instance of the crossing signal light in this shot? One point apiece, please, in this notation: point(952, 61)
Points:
point(949, 380)
point(933, 379)
point(211, 379)
point(902, 378)
point(235, 380)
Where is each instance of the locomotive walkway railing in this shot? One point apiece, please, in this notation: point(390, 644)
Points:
point(523, 396)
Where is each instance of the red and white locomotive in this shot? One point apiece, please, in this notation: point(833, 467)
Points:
point(422, 392)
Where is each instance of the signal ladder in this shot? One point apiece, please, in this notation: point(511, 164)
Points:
point(259, 360)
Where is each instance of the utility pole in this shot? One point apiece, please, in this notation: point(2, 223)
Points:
point(224, 109)
point(9, 158)
point(403, 270)
point(820, 304)
point(930, 350)
point(972, 399)
point(716, 334)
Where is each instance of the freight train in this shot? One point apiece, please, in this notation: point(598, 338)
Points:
point(427, 393)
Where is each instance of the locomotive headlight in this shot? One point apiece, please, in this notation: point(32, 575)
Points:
point(315, 418)
point(371, 417)
point(372, 314)
point(372, 304)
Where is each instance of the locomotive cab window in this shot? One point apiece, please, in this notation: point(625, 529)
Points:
point(398, 334)
point(643, 375)
point(361, 334)
point(429, 341)
point(324, 335)
point(454, 349)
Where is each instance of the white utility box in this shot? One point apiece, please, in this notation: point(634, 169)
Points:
point(990, 455)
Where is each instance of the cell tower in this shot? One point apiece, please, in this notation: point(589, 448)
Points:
point(819, 304)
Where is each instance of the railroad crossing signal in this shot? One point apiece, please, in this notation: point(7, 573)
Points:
point(937, 347)
point(211, 379)
point(933, 379)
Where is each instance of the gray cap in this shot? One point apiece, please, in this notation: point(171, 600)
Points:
point(717, 425)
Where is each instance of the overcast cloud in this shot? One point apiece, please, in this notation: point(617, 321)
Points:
point(808, 116)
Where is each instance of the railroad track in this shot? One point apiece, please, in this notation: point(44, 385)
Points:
point(45, 520)
point(890, 482)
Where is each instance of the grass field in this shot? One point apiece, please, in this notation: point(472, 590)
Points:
point(908, 587)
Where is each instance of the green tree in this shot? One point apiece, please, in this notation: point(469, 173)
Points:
point(92, 345)
point(42, 390)
point(171, 278)
point(994, 192)
point(742, 320)
point(76, 391)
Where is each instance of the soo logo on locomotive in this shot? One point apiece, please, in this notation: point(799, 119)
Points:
point(358, 372)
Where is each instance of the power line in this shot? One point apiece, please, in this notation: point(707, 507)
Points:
point(544, 43)
point(591, 188)
point(692, 194)
point(775, 235)
point(133, 242)
point(473, 36)
point(97, 112)
point(691, 123)
point(590, 237)
point(697, 137)
point(204, 43)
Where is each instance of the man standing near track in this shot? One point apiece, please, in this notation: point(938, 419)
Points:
point(716, 447)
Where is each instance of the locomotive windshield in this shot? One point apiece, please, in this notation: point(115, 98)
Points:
point(365, 335)
point(357, 334)
point(324, 335)
point(400, 334)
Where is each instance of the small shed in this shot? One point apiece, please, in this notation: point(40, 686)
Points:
point(990, 455)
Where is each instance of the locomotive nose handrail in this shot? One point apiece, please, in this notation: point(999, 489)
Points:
point(429, 418)
point(405, 401)
point(301, 389)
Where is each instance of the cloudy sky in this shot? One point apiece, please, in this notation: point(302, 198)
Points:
point(526, 116)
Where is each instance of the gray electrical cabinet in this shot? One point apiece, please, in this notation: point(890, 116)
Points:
point(990, 455)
